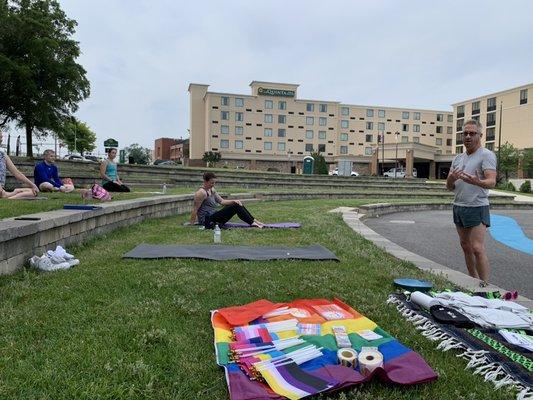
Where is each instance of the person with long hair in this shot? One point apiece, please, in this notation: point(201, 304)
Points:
point(7, 165)
point(109, 174)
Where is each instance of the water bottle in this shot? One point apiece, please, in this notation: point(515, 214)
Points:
point(164, 188)
point(217, 234)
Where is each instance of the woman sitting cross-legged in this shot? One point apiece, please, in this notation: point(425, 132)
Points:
point(109, 174)
point(205, 209)
point(7, 165)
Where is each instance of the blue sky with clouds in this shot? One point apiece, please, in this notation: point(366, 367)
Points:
point(140, 55)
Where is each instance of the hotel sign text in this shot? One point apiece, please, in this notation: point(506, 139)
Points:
point(275, 92)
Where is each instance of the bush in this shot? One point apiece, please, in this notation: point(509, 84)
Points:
point(506, 185)
point(525, 187)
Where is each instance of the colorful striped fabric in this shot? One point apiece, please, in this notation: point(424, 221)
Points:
point(244, 326)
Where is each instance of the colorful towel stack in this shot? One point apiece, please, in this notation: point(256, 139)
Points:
point(251, 344)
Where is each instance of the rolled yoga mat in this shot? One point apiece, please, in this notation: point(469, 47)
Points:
point(423, 300)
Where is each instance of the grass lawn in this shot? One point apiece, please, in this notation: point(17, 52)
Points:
point(140, 329)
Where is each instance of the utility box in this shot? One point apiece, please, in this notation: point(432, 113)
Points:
point(309, 163)
point(345, 167)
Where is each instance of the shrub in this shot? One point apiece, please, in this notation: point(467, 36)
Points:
point(509, 186)
point(525, 187)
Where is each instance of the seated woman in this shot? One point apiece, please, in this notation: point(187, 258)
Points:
point(109, 174)
point(206, 201)
point(5, 165)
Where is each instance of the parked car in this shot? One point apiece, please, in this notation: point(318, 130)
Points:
point(76, 157)
point(92, 158)
point(400, 173)
point(164, 162)
point(335, 172)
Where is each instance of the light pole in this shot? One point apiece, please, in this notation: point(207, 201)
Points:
point(499, 144)
point(396, 136)
point(383, 152)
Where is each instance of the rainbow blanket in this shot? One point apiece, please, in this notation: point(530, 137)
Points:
point(309, 322)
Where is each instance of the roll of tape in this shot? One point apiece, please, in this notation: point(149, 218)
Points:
point(347, 357)
point(369, 360)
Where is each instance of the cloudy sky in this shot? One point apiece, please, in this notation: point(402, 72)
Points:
point(140, 55)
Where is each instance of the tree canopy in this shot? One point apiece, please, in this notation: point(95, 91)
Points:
point(508, 159)
point(140, 155)
point(320, 166)
point(211, 158)
point(77, 136)
point(40, 82)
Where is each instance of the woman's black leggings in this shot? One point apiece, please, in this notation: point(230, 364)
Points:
point(115, 187)
point(224, 215)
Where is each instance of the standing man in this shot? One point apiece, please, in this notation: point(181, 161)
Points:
point(46, 175)
point(472, 174)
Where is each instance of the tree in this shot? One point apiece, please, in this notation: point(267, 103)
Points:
point(211, 158)
point(508, 158)
point(320, 166)
point(77, 136)
point(527, 162)
point(140, 155)
point(40, 82)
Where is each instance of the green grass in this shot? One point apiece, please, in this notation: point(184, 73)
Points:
point(140, 329)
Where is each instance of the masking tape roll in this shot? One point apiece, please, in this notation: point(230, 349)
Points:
point(369, 360)
point(347, 357)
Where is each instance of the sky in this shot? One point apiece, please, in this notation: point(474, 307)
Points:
point(141, 55)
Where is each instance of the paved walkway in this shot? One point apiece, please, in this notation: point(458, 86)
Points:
point(406, 252)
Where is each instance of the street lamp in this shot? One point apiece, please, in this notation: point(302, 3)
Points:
point(396, 137)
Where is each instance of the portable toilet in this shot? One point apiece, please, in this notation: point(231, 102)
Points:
point(309, 163)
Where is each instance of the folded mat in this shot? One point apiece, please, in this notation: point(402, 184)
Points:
point(225, 252)
point(80, 207)
point(487, 352)
point(234, 327)
point(277, 225)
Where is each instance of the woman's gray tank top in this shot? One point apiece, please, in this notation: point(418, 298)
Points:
point(208, 206)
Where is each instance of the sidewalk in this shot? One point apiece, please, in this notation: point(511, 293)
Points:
point(517, 197)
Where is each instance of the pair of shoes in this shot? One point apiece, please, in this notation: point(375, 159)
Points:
point(510, 295)
point(45, 263)
point(483, 284)
point(60, 255)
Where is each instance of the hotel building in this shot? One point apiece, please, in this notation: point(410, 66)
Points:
point(272, 128)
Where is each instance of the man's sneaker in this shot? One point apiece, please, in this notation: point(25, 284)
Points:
point(61, 252)
point(57, 262)
point(33, 261)
point(73, 262)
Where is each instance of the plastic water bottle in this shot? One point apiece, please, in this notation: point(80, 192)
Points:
point(164, 188)
point(217, 234)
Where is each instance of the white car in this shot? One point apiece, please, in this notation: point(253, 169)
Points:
point(400, 173)
point(335, 172)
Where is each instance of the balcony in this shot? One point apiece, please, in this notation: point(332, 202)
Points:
point(475, 112)
point(491, 108)
point(523, 101)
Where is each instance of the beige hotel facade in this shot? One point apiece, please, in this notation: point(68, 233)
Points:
point(271, 128)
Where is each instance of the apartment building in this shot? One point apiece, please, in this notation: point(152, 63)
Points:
point(509, 112)
point(273, 128)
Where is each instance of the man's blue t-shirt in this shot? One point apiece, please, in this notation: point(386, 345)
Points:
point(46, 173)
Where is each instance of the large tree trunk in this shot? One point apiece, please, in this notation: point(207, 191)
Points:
point(29, 141)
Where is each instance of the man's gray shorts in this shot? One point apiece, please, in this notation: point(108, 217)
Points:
point(469, 217)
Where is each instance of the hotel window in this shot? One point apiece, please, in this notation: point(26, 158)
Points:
point(416, 115)
point(281, 132)
point(224, 115)
point(281, 146)
point(239, 116)
point(322, 121)
point(269, 104)
point(438, 141)
point(460, 111)
point(323, 107)
point(523, 96)
point(344, 149)
point(450, 118)
point(344, 137)
point(344, 123)
point(239, 130)
point(309, 147)
point(321, 148)
point(458, 149)
point(416, 139)
point(475, 107)
point(416, 128)
point(491, 104)
point(381, 126)
point(438, 129)
point(224, 101)
point(491, 119)
point(405, 127)
point(269, 118)
point(490, 134)
point(369, 113)
point(224, 144)
point(440, 117)
point(267, 145)
point(459, 125)
point(224, 129)
point(239, 102)
point(448, 142)
point(489, 146)
point(309, 120)
point(310, 107)
point(381, 113)
point(321, 134)
point(369, 125)
point(449, 130)
point(282, 105)
point(475, 117)
point(281, 119)
point(405, 139)
point(345, 111)
point(369, 138)
point(405, 114)
point(368, 151)
point(238, 144)
point(268, 132)
point(309, 134)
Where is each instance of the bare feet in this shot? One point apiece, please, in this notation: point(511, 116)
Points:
point(258, 224)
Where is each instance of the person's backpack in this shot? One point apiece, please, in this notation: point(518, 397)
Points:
point(99, 193)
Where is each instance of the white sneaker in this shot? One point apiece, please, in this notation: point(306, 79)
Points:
point(44, 264)
point(57, 262)
point(33, 261)
point(73, 262)
point(61, 252)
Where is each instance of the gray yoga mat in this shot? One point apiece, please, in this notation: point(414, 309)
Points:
point(224, 252)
